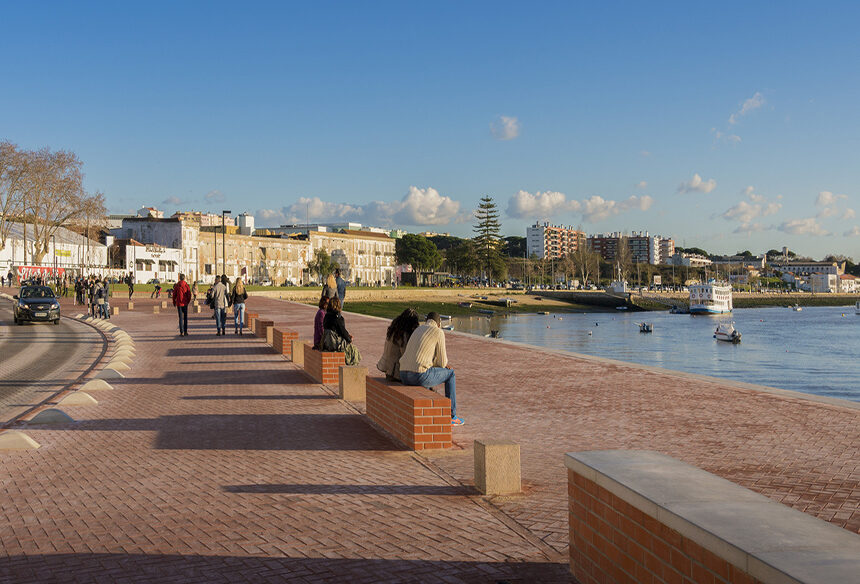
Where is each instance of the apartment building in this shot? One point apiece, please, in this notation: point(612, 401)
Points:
point(553, 241)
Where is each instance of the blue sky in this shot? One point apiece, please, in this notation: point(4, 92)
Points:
point(728, 126)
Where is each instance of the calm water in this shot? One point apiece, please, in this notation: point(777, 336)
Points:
point(814, 351)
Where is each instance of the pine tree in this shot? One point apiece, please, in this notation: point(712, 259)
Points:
point(487, 238)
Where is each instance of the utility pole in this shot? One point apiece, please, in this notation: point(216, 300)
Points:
point(224, 241)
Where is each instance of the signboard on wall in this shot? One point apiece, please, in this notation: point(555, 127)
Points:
point(658, 280)
point(27, 272)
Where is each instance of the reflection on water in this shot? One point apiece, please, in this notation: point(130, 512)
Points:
point(813, 351)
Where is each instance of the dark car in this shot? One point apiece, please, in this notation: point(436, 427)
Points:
point(36, 303)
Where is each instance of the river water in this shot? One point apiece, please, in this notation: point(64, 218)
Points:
point(814, 351)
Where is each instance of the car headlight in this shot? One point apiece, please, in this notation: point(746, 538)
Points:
point(23, 306)
point(55, 306)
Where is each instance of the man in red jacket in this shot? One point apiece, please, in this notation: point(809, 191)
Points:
point(181, 299)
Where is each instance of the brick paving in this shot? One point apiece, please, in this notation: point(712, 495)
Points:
point(800, 452)
point(216, 460)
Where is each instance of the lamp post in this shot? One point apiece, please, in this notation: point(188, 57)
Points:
point(54, 241)
point(224, 241)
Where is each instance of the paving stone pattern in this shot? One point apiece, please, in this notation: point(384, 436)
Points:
point(799, 452)
point(217, 460)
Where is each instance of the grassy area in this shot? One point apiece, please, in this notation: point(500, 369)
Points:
point(390, 309)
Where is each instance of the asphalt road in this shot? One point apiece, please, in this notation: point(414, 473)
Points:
point(37, 359)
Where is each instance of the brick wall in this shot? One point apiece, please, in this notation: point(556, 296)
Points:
point(260, 326)
point(416, 416)
point(282, 341)
point(323, 366)
point(612, 541)
point(249, 316)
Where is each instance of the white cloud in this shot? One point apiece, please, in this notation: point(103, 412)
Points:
point(417, 207)
point(550, 203)
point(215, 196)
point(746, 212)
point(854, 232)
point(830, 204)
point(596, 208)
point(750, 228)
point(173, 201)
point(642, 184)
point(807, 226)
point(724, 137)
point(751, 104)
point(540, 204)
point(644, 153)
point(697, 185)
point(505, 128)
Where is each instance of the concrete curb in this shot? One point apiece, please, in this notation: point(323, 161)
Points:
point(118, 366)
point(109, 374)
point(78, 398)
point(17, 440)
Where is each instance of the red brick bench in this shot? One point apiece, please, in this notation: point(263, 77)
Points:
point(416, 416)
point(260, 327)
point(282, 341)
point(249, 317)
point(323, 366)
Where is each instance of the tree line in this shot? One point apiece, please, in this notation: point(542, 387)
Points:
point(43, 190)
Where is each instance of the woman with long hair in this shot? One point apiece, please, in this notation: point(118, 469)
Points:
point(238, 296)
point(319, 317)
point(335, 335)
point(399, 331)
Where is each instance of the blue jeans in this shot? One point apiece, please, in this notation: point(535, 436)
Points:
point(239, 315)
point(220, 318)
point(431, 378)
point(183, 319)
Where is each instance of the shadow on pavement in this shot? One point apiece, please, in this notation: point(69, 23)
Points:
point(248, 432)
point(300, 489)
point(248, 375)
point(228, 397)
point(255, 349)
point(157, 568)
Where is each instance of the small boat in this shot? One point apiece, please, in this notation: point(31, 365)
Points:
point(544, 312)
point(448, 327)
point(494, 334)
point(486, 311)
point(797, 307)
point(620, 308)
point(445, 316)
point(728, 333)
point(646, 327)
point(857, 307)
point(464, 304)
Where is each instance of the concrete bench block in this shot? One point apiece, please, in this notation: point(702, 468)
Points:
point(196, 309)
point(51, 416)
point(109, 374)
point(298, 348)
point(130, 306)
point(78, 398)
point(120, 366)
point(351, 383)
point(164, 303)
point(115, 310)
point(96, 385)
point(17, 440)
point(497, 467)
point(156, 309)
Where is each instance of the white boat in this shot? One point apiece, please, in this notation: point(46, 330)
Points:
point(797, 307)
point(728, 333)
point(710, 298)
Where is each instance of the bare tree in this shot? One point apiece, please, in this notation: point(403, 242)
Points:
point(12, 174)
point(54, 195)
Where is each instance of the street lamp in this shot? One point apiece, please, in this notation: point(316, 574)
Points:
point(224, 241)
point(54, 240)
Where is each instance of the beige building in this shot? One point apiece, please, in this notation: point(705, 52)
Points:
point(364, 257)
point(257, 259)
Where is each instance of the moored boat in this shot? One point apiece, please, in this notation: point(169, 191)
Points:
point(710, 298)
point(857, 307)
point(728, 333)
point(646, 327)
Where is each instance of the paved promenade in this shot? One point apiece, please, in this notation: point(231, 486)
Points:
point(216, 460)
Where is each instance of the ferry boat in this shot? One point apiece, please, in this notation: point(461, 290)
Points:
point(710, 298)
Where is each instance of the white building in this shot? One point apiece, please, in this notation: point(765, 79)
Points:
point(68, 252)
point(246, 224)
point(692, 260)
point(807, 268)
point(553, 241)
point(822, 283)
point(145, 262)
point(171, 233)
point(847, 284)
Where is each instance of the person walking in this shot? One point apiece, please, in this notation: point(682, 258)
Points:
point(129, 280)
point(219, 304)
point(340, 283)
point(106, 305)
point(181, 299)
point(425, 361)
point(238, 296)
point(194, 291)
point(99, 297)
